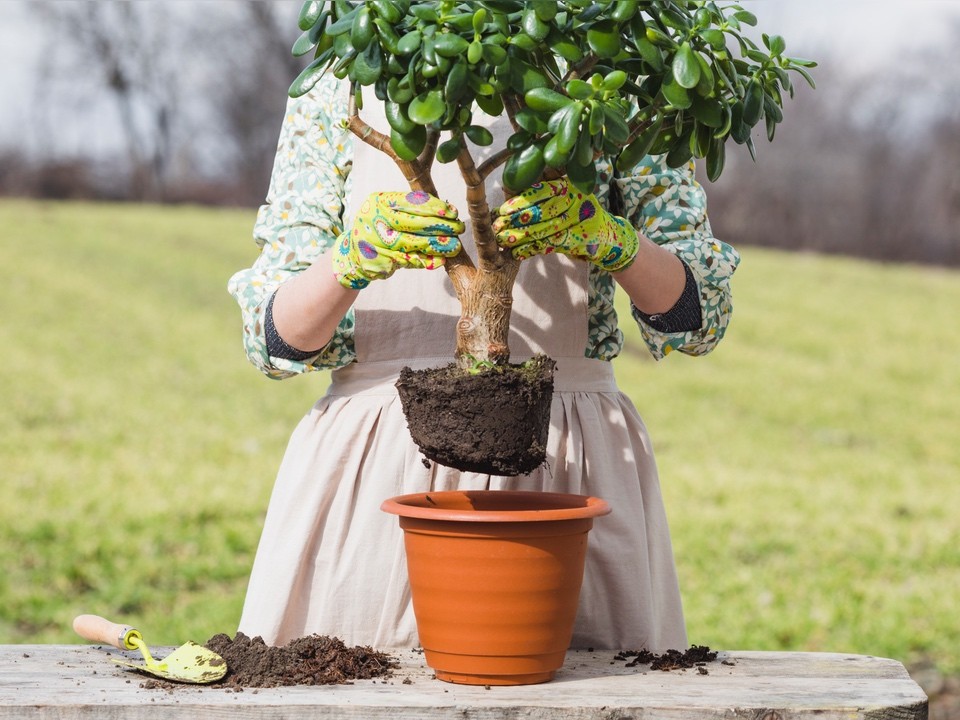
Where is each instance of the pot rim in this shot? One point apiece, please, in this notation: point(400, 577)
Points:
point(430, 506)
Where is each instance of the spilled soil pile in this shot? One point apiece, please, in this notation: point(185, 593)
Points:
point(697, 656)
point(313, 660)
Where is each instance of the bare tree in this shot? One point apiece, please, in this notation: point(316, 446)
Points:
point(126, 46)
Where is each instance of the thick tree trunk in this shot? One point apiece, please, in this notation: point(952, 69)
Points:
point(485, 290)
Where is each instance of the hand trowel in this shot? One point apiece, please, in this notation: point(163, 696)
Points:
point(189, 663)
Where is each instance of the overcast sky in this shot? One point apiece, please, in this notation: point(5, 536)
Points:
point(863, 33)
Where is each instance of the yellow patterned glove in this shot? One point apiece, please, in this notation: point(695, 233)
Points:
point(554, 216)
point(396, 230)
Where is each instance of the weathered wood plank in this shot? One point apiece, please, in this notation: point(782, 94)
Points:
point(74, 681)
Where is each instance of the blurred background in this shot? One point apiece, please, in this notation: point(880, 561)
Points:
point(181, 102)
point(810, 466)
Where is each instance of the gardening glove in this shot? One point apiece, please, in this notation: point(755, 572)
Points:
point(554, 216)
point(396, 230)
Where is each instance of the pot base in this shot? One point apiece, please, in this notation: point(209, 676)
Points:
point(501, 680)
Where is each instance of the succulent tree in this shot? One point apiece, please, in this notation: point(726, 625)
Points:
point(578, 80)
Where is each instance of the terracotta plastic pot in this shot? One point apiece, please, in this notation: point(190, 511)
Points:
point(495, 578)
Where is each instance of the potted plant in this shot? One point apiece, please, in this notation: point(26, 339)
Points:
point(579, 80)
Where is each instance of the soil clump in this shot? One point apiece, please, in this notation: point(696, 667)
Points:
point(312, 660)
point(697, 656)
point(495, 421)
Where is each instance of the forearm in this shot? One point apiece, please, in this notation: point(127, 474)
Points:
point(655, 279)
point(308, 307)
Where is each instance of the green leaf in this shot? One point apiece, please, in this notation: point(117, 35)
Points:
point(494, 54)
point(552, 155)
point(533, 26)
point(624, 10)
point(675, 20)
point(309, 14)
point(397, 117)
point(639, 148)
point(563, 47)
point(361, 32)
point(409, 145)
point(531, 121)
point(746, 17)
point(583, 152)
point(707, 111)
point(399, 91)
point(680, 154)
point(707, 79)
point(342, 24)
point(546, 9)
point(303, 45)
point(425, 13)
point(776, 44)
point(674, 93)
point(604, 39)
point(309, 76)
point(568, 126)
point(448, 151)
point(479, 135)
point(716, 157)
point(475, 52)
point(387, 10)
point(450, 45)
point(650, 53)
point(492, 105)
point(595, 124)
point(456, 86)
point(478, 20)
point(615, 126)
point(410, 43)
point(739, 130)
point(546, 100)
point(525, 77)
point(753, 103)
point(583, 177)
point(524, 169)
point(579, 89)
point(686, 69)
point(426, 108)
point(715, 38)
point(614, 80)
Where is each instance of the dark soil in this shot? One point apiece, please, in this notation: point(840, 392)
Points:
point(313, 660)
point(495, 421)
point(696, 656)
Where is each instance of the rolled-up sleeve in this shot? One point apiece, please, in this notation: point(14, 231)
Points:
point(669, 206)
point(300, 220)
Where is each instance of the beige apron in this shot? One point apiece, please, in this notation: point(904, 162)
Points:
point(330, 562)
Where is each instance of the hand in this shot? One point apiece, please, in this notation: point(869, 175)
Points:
point(396, 230)
point(554, 216)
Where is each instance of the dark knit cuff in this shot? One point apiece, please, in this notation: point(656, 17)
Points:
point(684, 316)
point(276, 347)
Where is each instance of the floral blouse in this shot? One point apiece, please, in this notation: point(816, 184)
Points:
point(303, 216)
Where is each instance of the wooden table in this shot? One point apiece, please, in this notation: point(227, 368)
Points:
point(79, 681)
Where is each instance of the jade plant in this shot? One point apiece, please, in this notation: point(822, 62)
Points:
point(579, 80)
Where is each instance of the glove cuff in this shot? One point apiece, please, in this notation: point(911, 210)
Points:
point(622, 250)
point(347, 272)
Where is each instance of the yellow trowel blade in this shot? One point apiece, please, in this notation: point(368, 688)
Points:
point(189, 663)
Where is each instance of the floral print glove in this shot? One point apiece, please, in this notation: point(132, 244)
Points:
point(396, 230)
point(554, 216)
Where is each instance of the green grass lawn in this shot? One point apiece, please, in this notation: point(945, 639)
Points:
point(811, 465)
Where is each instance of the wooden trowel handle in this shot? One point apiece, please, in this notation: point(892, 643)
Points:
point(97, 629)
